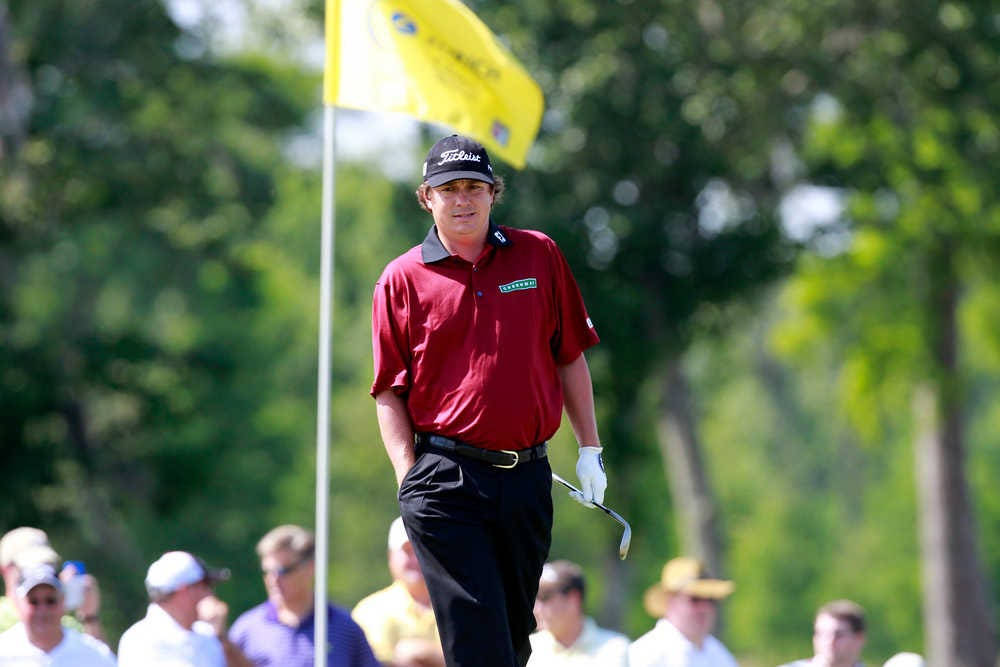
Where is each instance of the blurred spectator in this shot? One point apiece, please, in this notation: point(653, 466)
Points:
point(25, 547)
point(17, 540)
point(838, 636)
point(904, 660)
point(167, 636)
point(39, 637)
point(685, 601)
point(280, 630)
point(12, 543)
point(566, 637)
point(398, 621)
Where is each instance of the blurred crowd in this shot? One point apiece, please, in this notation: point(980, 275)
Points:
point(50, 615)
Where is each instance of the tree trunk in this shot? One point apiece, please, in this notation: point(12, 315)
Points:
point(617, 585)
point(681, 451)
point(15, 97)
point(957, 618)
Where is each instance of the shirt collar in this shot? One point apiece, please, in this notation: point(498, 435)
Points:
point(271, 614)
point(412, 606)
point(162, 619)
point(432, 250)
point(676, 635)
point(582, 643)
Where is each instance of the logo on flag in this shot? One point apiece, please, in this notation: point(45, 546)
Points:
point(403, 24)
point(500, 132)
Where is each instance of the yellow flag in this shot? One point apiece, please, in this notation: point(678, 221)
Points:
point(434, 60)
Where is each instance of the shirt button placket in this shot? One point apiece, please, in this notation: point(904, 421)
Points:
point(479, 292)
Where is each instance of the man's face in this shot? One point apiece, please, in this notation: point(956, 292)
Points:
point(42, 609)
point(556, 609)
point(194, 593)
point(461, 209)
point(835, 643)
point(288, 578)
point(404, 566)
point(693, 616)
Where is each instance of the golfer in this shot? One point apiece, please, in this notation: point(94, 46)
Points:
point(478, 337)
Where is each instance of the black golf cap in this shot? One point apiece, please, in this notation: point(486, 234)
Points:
point(457, 157)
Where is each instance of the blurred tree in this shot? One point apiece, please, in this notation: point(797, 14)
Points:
point(813, 511)
point(13, 92)
point(908, 127)
point(151, 380)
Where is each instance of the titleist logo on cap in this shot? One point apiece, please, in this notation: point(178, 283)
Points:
point(456, 155)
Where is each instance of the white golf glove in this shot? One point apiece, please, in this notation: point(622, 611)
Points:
point(590, 472)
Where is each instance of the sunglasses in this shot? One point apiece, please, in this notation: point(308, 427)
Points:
point(47, 601)
point(287, 569)
point(548, 594)
point(697, 600)
point(545, 596)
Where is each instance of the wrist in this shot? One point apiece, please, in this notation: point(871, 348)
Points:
point(597, 448)
point(88, 619)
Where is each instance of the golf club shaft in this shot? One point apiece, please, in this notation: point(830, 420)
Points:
point(607, 510)
point(626, 537)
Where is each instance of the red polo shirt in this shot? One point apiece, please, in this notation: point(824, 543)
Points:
point(473, 348)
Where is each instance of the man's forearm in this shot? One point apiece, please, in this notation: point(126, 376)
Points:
point(397, 432)
point(578, 398)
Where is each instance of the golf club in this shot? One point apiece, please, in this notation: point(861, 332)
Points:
point(626, 536)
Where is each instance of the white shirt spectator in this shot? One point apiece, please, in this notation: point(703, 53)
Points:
point(75, 650)
point(160, 641)
point(665, 646)
point(595, 647)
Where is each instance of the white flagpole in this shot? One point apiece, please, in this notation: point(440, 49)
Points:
point(323, 393)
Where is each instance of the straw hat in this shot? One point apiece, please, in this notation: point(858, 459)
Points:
point(688, 576)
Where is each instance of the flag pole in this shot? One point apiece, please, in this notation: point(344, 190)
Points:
point(323, 390)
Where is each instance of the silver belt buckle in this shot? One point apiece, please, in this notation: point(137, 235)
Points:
point(517, 459)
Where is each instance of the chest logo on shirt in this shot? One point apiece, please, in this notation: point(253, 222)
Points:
point(523, 283)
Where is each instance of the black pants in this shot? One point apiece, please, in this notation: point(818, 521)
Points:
point(481, 535)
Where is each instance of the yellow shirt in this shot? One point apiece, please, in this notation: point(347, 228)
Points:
point(389, 615)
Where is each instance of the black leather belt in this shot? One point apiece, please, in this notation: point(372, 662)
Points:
point(501, 458)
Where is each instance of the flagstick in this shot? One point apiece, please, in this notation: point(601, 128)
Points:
point(323, 393)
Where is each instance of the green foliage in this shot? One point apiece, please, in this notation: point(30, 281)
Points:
point(921, 205)
point(140, 329)
point(812, 514)
point(159, 286)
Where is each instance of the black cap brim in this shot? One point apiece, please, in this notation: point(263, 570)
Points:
point(217, 574)
point(441, 179)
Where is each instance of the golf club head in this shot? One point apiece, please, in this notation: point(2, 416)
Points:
point(625, 543)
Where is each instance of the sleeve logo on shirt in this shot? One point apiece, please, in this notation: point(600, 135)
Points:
point(523, 283)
